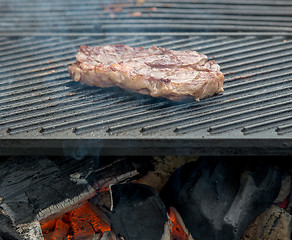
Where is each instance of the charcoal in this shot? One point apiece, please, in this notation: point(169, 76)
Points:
point(34, 188)
point(30, 231)
point(106, 236)
point(118, 171)
point(42, 188)
point(273, 224)
point(138, 213)
point(102, 201)
point(61, 230)
point(7, 230)
point(218, 199)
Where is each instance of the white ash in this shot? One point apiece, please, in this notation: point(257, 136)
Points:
point(30, 231)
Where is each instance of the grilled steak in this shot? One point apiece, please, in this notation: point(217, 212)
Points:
point(155, 71)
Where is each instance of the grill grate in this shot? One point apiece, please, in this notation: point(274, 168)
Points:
point(39, 102)
point(75, 17)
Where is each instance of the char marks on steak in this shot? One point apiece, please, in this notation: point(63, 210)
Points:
point(154, 71)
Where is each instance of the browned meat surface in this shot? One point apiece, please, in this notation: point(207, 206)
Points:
point(155, 71)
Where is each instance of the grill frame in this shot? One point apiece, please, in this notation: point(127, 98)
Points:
point(137, 146)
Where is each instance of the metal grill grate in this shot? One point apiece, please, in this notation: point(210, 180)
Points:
point(43, 111)
point(73, 17)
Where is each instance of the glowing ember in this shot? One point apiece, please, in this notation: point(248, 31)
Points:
point(177, 231)
point(61, 230)
point(79, 224)
point(84, 221)
point(49, 226)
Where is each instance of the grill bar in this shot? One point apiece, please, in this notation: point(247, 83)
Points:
point(215, 21)
point(271, 123)
point(282, 129)
point(191, 27)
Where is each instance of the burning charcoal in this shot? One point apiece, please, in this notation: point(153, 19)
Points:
point(61, 230)
point(138, 213)
point(178, 229)
point(102, 201)
point(82, 229)
point(219, 199)
point(49, 226)
point(85, 222)
point(48, 236)
point(45, 188)
point(55, 230)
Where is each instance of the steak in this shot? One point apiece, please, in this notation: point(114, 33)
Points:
point(155, 71)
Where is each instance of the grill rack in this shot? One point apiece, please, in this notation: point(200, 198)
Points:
point(43, 111)
point(72, 17)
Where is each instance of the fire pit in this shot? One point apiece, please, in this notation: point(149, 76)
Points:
point(151, 198)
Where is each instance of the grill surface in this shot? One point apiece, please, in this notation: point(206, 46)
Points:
point(42, 111)
point(73, 17)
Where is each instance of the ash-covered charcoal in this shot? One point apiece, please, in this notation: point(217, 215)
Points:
point(218, 199)
point(155, 71)
point(107, 236)
point(36, 188)
point(163, 168)
point(118, 171)
point(273, 224)
point(29, 231)
point(138, 213)
point(43, 188)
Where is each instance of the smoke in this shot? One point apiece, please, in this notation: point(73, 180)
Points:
point(78, 149)
point(63, 17)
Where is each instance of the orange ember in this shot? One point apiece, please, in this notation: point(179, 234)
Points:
point(49, 226)
point(177, 232)
point(84, 220)
point(79, 224)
